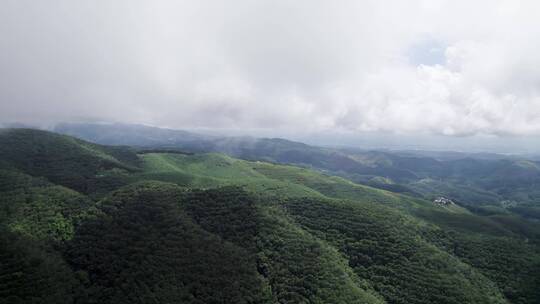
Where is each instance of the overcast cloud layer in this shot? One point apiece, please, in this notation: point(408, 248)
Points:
point(442, 67)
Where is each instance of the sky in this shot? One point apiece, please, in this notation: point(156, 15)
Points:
point(450, 69)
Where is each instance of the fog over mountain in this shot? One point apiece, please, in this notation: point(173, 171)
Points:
point(452, 70)
point(270, 151)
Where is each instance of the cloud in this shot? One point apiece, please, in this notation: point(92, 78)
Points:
point(442, 67)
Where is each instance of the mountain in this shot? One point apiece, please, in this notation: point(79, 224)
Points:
point(64, 160)
point(128, 134)
point(154, 226)
point(484, 182)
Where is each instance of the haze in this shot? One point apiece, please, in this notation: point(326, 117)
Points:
point(451, 70)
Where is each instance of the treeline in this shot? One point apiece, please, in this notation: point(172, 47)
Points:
point(172, 151)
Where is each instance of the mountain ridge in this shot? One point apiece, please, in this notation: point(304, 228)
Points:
point(485, 182)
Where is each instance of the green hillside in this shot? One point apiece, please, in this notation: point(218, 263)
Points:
point(214, 170)
point(483, 182)
point(383, 247)
point(64, 160)
point(211, 170)
point(38, 209)
point(93, 224)
point(281, 181)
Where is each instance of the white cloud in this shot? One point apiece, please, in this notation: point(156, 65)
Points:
point(294, 65)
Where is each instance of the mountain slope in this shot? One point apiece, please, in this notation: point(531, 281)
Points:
point(473, 180)
point(64, 160)
point(213, 170)
point(39, 209)
point(144, 248)
point(383, 247)
point(459, 223)
point(209, 228)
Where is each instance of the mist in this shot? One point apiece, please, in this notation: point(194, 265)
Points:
point(315, 70)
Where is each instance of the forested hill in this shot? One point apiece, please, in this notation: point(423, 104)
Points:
point(64, 160)
point(85, 223)
point(488, 183)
